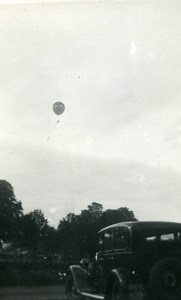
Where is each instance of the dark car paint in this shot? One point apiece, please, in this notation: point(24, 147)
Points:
point(135, 260)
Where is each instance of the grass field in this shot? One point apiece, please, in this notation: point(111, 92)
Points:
point(33, 293)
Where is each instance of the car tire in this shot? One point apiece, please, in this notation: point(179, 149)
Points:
point(117, 292)
point(70, 289)
point(165, 279)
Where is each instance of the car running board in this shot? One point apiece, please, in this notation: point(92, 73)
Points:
point(92, 296)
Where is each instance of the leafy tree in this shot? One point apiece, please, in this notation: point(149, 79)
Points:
point(112, 216)
point(34, 227)
point(49, 241)
point(69, 236)
point(89, 225)
point(10, 212)
point(78, 233)
point(95, 209)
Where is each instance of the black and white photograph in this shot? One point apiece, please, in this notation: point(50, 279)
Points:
point(90, 150)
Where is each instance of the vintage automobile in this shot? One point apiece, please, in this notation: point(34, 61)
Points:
point(135, 261)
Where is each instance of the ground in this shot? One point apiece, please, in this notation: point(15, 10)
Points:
point(33, 293)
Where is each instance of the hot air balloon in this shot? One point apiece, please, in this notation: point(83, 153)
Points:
point(58, 108)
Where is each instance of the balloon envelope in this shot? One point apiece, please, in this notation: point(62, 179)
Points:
point(58, 108)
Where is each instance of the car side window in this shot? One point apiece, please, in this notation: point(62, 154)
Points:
point(107, 241)
point(120, 239)
point(179, 236)
point(167, 237)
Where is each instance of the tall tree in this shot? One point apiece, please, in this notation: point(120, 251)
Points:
point(69, 237)
point(78, 233)
point(49, 241)
point(10, 212)
point(122, 214)
point(34, 227)
point(95, 209)
point(89, 225)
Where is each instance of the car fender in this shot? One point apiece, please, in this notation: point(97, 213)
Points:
point(121, 276)
point(80, 277)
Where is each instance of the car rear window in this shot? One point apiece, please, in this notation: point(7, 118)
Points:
point(144, 239)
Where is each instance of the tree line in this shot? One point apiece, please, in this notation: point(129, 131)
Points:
point(75, 237)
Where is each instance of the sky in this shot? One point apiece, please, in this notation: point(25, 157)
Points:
point(116, 67)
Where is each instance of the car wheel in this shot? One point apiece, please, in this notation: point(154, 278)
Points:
point(165, 279)
point(117, 292)
point(70, 289)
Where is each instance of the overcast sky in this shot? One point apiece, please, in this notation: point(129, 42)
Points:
point(116, 66)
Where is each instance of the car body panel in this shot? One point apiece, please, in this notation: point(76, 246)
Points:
point(127, 252)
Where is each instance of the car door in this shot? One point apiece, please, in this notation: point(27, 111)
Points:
point(104, 256)
point(120, 257)
point(114, 250)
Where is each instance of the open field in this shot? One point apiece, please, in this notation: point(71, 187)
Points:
point(33, 293)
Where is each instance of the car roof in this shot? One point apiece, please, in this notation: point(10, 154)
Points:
point(144, 225)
